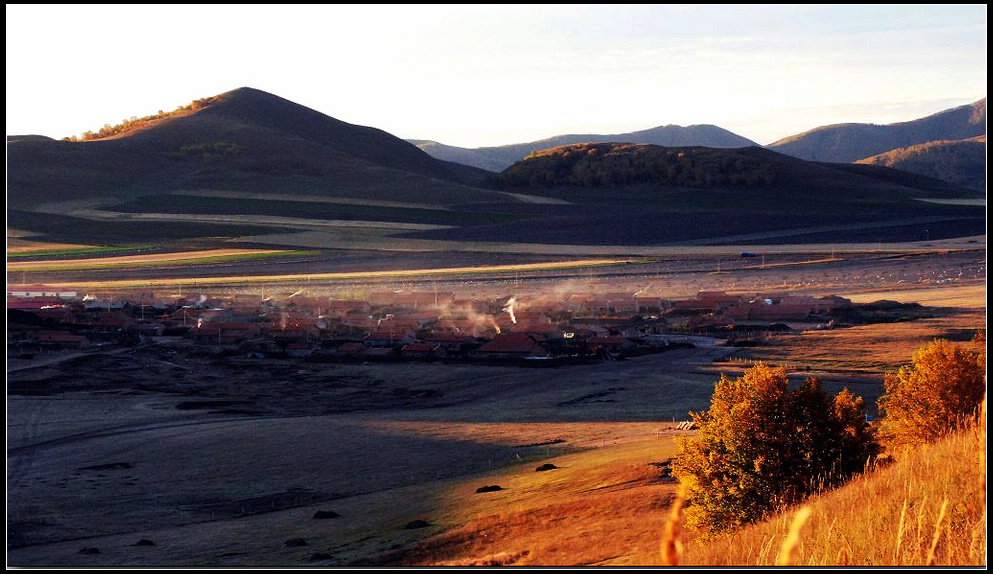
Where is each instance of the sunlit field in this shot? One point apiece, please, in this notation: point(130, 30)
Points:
point(131, 261)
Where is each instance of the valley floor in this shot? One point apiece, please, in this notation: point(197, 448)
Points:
point(165, 455)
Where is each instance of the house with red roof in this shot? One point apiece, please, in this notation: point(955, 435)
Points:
point(422, 350)
point(389, 338)
point(61, 341)
point(512, 346)
point(452, 343)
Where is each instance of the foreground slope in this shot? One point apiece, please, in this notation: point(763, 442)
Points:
point(926, 510)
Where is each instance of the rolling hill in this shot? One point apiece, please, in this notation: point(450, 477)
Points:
point(250, 166)
point(627, 194)
point(498, 158)
point(246, 139)
point(244, 142)
point(962, 162)
point(852, 142)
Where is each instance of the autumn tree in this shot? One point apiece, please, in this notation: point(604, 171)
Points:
point(933, 395)
point(762, 447)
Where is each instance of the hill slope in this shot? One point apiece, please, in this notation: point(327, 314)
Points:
point(625, 194)
point(851, 142)
point(499, 158)
point(962, 162)
point(860, 524)
point(244, 141)
point(245, 134)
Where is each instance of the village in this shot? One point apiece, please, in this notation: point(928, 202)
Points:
point(398, 325)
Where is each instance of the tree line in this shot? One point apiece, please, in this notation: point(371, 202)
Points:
point(613, 164)
point(136, 123)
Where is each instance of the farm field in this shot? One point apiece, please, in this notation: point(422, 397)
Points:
point(171, 455)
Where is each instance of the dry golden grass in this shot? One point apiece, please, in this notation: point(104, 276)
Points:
point(882, 347)
point(20, 247)
point(607, 507)
point(598, 507)
point(787, 554)
point(967, 294)
point(928, 509)
point(981, 443)
point(672, 547)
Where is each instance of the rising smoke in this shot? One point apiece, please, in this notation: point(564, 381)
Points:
point(509, 308)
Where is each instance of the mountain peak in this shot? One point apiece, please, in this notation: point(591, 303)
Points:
point(252, 96)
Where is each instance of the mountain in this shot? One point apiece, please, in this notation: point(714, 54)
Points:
point(250, 166)
point(499, 158)
point(852, 142)
point(962, 162)
point(490, 162)
point(837, 143)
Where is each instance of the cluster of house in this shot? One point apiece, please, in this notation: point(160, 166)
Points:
point(398, 325)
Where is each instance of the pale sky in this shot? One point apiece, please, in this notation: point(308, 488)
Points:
point(488, 75)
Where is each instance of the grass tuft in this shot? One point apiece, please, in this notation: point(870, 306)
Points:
point(787, 553)
point(671, 545)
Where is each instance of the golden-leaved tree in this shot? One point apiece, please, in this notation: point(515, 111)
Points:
point(935, 394)
point(762, 447)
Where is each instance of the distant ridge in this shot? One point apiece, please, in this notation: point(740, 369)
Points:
point(638, 194)
point(844, 143)
point(962, 162)
point(498, 158)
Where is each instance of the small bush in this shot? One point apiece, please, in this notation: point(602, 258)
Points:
point(489, 488)
point(417, 524)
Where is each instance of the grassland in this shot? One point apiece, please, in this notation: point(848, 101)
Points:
point(218, 461)
point(51, 249)
point(305, 208)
